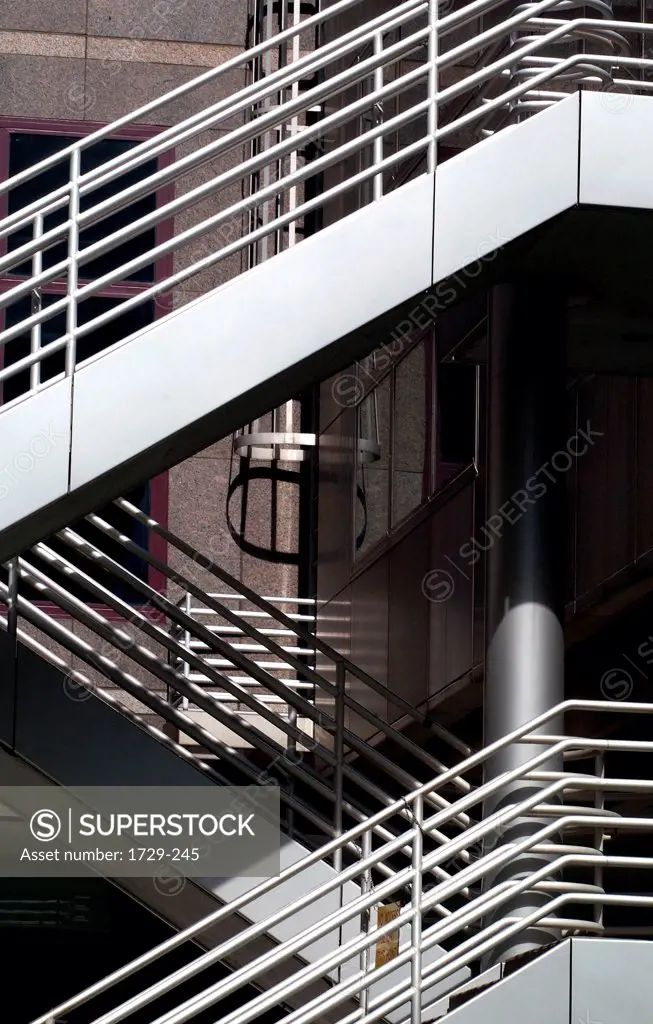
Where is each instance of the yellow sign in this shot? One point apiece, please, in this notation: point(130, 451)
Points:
point(387, 948)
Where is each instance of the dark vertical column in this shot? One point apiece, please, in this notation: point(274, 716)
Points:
point(524, 673)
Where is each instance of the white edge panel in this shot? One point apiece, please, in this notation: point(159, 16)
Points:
point(611, 980)
point(35, 452)
point(505, 186)
point(538, 993)
point(222, 345)
point(616, 165)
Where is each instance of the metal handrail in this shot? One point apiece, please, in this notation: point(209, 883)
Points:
point(78, 679)
point(471, 947)
point(199, 697)
point(157, 704)
point(215, 644)
point(338, 659)
point(276, 99)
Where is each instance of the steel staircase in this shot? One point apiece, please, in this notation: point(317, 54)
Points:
point(583, 875)
point(383, 92)
point(201, 693)
point(369, 814)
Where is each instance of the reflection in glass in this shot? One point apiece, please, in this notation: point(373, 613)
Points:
point(372, 478)
point(410, 462)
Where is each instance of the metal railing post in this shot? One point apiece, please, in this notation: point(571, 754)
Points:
point(35, 306)
point(291, 755)
point(339, 752)
point(12, 597)
point(73, 256)
point(599, 804)
point(378, 118)
point(416, 923)
point(432, 118)
point(188, 608)
point(366, 887)
point(338, 777)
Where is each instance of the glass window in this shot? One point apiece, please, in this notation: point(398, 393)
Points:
point(92, 343)
point(416, 430)
point(29, 148)
point(372, 478)
point(456, 419)
point(411, 456)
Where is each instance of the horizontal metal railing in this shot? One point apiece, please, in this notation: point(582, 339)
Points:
point(398, 64)
point(558, 842)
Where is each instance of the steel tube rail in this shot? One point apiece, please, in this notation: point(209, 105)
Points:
point(162, 671)
point(146, 659)
point(33, 359)
point(39, 244)
point(85, 683)
point(157, 704)
point(534, 917)
point(163, 638)
point(149, 108)
point(320, 717)
point(156, 600)
point(31, 321)
point(278, 80)
point(524, 18)
point(255, 163)
point(326, 851)
point(243, 205)
point(214, 643)
point(606, 32)
point(182, 619)
point(270, 959)
point(530, 841)
point(174, 136)
point(250, 595)
point(478, 908)
point(242, 243)
point(26, 216)
point(493, 858)
point(479, 77)
point(151, 699)
point(283, 77)
point(207, 225)
point(432, 763)
point(37, 280)
point(340, 993)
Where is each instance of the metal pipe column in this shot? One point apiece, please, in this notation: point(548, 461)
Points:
point(524, 666)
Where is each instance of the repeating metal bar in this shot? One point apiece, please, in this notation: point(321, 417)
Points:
point(457, 923)
point(521, 73)
point(264, 605)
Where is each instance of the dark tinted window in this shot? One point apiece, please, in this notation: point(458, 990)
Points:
point(27, 149)
point(55, 328)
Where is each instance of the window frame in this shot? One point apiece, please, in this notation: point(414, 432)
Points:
point(163, 268)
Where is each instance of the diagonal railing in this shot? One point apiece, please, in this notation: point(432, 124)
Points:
point(573, 877)
point(405, 66)
point(331, 776)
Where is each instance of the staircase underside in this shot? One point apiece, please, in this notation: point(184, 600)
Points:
point(196, 375)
